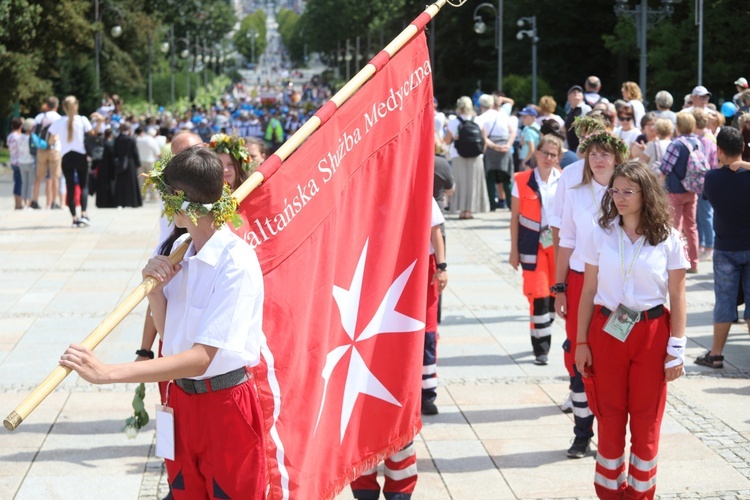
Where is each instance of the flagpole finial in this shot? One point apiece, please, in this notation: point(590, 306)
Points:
point(456, 3)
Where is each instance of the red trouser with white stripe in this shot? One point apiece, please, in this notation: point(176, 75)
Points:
point(429, 359)
point(536, 286)
point(582, 417)
point(628, 380)
point(400, 478)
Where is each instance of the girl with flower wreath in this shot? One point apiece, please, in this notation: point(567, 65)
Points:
point(208, 309)
point(602, 152)
point(234, 158)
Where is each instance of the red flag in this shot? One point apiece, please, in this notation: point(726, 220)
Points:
point(342, 234)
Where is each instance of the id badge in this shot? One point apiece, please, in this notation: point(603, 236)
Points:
point(621, 322)
point(545, 238)
point(164, 432)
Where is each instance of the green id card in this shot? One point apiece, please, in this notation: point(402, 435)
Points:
point(545, 238)
point(621, 322)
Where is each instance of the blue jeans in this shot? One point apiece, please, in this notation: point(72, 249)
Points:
point(728, 268)
point(16, 180)
point(705, 223)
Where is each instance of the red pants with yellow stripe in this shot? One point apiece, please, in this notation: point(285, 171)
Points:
point(536, 286)
point(400, 478)
point(627, 381)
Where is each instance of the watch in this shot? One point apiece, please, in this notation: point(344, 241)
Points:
point(559, 288)
point(145, 353)
point(442, 266)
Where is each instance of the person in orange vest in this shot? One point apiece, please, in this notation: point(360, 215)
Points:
point(531, 239)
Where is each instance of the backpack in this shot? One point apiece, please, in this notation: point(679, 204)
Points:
point(697, 166)
point(42, 132)
point(470, 142)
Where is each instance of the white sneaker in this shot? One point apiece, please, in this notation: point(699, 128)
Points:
point(567, 406)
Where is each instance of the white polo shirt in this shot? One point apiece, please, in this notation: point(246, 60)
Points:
point(217, 300)
point(547, 190)
point(648, 285)
point(572, 175)
point(580, 216)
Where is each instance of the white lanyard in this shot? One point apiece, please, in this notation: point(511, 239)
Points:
point(597, 204)
point(639, 244)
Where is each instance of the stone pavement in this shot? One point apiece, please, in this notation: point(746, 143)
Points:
point(500, 432)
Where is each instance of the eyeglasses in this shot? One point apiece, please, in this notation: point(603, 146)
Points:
point(625, 118)
point(625, 193)
point(550, 156)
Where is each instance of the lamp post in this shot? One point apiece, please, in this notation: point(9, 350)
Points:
point(531, 33)
point(348, 59)
point(480, 27)
point(642, 17)
point(116, 31)
point(699, 23)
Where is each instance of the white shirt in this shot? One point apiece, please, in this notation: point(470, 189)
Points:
point(24, 150)
point(580, 218)
point(547, 191)
point(436, 218)
point(217, 300)
point(627, 136)
point(49, 118)
point(81, 126)
point(572, 175)
point(638, 111)
point(148, 148)
point(655, 151)
point(495, 123)
point(648, 284)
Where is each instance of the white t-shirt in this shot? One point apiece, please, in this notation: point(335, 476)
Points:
point(217, 300)
point(148, 148)
point(547, 190)
point(580, 218)
point(436, 218)
point(638, 111)
point(81, 126)
point(494, 123)
point(649, 282)
point(557, 118)
point(627, 136)
point(49, 118)
point(572, 175)
point(655, 151)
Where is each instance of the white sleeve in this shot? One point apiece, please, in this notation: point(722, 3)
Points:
point(677, 247)
point(514, 190)
point(650, 150)
point(568, 222)
point(590, 251)
point(86, 124)
point(437, 215)
point(558, 203)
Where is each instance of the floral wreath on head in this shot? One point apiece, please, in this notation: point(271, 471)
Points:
point(604, 137)
point(588, 123)
point(223, 210)
point(234, 146)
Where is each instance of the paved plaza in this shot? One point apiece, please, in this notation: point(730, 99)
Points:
point(500, 432)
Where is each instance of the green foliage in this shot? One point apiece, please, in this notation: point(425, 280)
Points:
point(252, 26)
point(520, 88)
point(292, 35)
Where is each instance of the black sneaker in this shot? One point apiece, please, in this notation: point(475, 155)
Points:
point(76, 224)
point(35, 205)
point(579, 448)
point(429, 408)
point(541, 360)
point(84, 220)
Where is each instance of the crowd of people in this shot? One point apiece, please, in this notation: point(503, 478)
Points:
point(117, 148)
point(608, 187)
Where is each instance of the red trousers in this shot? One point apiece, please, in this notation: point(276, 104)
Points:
point(219, 450)
point(536, 286)
point(400, 478)
point(573, 296)
point(627, 381)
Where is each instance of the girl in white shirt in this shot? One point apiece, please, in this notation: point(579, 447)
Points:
point(629, 344)
point(581, 211)
point(71, 130)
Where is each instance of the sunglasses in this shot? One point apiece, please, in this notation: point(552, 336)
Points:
point(625, 118)
point(550, 156)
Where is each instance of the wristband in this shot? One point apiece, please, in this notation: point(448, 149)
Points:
point(581, 343)
point(145, 353)
point(676, 348)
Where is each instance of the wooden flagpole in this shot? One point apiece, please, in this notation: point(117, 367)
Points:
point(55, 378)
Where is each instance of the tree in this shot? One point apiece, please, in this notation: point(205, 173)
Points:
point(252, 27)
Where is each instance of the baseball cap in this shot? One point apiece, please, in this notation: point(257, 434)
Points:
point(742, 82)
point(700, 90)
point(528, 110)
point(575, 87)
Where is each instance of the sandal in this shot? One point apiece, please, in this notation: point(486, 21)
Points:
point(710, 361)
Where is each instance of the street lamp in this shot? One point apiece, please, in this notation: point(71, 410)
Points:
point(480, 27)
point(530, 33)
point(115, 32)
point(642, 17)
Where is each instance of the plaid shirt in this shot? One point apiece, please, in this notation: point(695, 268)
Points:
point(672, 155)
